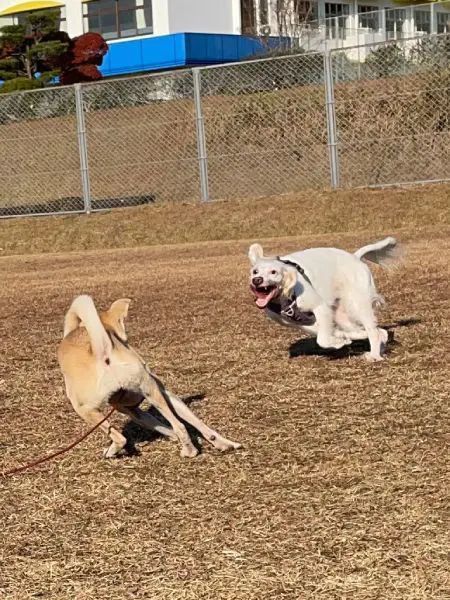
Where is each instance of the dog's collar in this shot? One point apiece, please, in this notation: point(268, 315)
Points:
point(113, 335)
point(291, 310)
point(296, 266)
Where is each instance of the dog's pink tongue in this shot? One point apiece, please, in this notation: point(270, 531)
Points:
point(262, 302)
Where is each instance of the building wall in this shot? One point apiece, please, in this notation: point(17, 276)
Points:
point(74, 17)
point(204, 16)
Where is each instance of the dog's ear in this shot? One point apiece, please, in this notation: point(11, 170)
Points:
point(119, 308)
point(289, 281)
point(255, 252)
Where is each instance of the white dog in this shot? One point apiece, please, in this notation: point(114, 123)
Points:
point(327, 292)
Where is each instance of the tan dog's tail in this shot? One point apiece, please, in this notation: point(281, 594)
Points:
point(83, 312)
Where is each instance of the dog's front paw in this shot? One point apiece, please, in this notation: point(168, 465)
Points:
point(113, 451)
point(333, 343)
point(225, 445)
point(188, 451)
point(343, 338)
point(373, 358)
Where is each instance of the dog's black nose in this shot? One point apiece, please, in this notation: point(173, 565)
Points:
point(257, 281)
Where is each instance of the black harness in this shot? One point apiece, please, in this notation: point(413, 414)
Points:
point(297, 267)
point(288, 307)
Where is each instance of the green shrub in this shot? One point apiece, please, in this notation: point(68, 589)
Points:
point(5, 75)
point(432, 52)
point(19, 84)
point(386, 61)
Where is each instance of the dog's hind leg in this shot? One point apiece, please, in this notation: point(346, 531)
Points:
point(347, 328)
point(147, 421)
point(377, 337)
point(325, 328)
point(209, 434)
point(154, 393)
point(353, 334)
point(352, 331)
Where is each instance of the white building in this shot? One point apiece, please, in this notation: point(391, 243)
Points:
point(137, 30)
point(118, 19)
point(328, 24)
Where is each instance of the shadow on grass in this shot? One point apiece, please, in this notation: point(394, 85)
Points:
point(309, 346)
point(75, 204)
point(136, 434)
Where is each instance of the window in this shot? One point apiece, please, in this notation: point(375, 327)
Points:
point(443, 22)
point(422, 20)
point(335, 10)
point(336, 16)
point(263, 12)
point(394, 21)
point(248, 17)
point(368, 17)
point(4, 21)
point(305, 10)
point(118, 18)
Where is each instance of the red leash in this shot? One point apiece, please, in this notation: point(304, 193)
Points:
point(58, 452)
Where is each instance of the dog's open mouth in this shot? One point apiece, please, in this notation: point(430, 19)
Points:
point(264, 294)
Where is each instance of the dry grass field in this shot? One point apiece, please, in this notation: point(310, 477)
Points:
point(340, 490)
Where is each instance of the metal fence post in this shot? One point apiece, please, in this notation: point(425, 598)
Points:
point(331, 121)
point(82, 147)
point(201, 138)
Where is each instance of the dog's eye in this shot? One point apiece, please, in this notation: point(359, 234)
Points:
point(255, 271)
point(273, 272)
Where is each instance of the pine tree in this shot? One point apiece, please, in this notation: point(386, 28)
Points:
point(29, 52)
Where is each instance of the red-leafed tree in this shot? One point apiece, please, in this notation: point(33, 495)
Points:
point(82, 58)
point(34, 53)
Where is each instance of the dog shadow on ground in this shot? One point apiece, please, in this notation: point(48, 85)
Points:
point(136, 434)
point(309, 346)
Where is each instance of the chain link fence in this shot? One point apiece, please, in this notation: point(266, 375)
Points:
point(393, 113)
point(39, 153)
point(269, 126)
point(266, 127)
point(141, 140)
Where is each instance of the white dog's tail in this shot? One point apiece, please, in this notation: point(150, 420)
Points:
point(83, 311)
point(384, 252)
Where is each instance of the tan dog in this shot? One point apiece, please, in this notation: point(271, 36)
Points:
point(100, 367)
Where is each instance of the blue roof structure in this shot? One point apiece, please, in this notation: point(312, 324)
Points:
point(179, 50)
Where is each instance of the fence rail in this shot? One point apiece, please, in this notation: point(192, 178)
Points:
point(268, 126)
